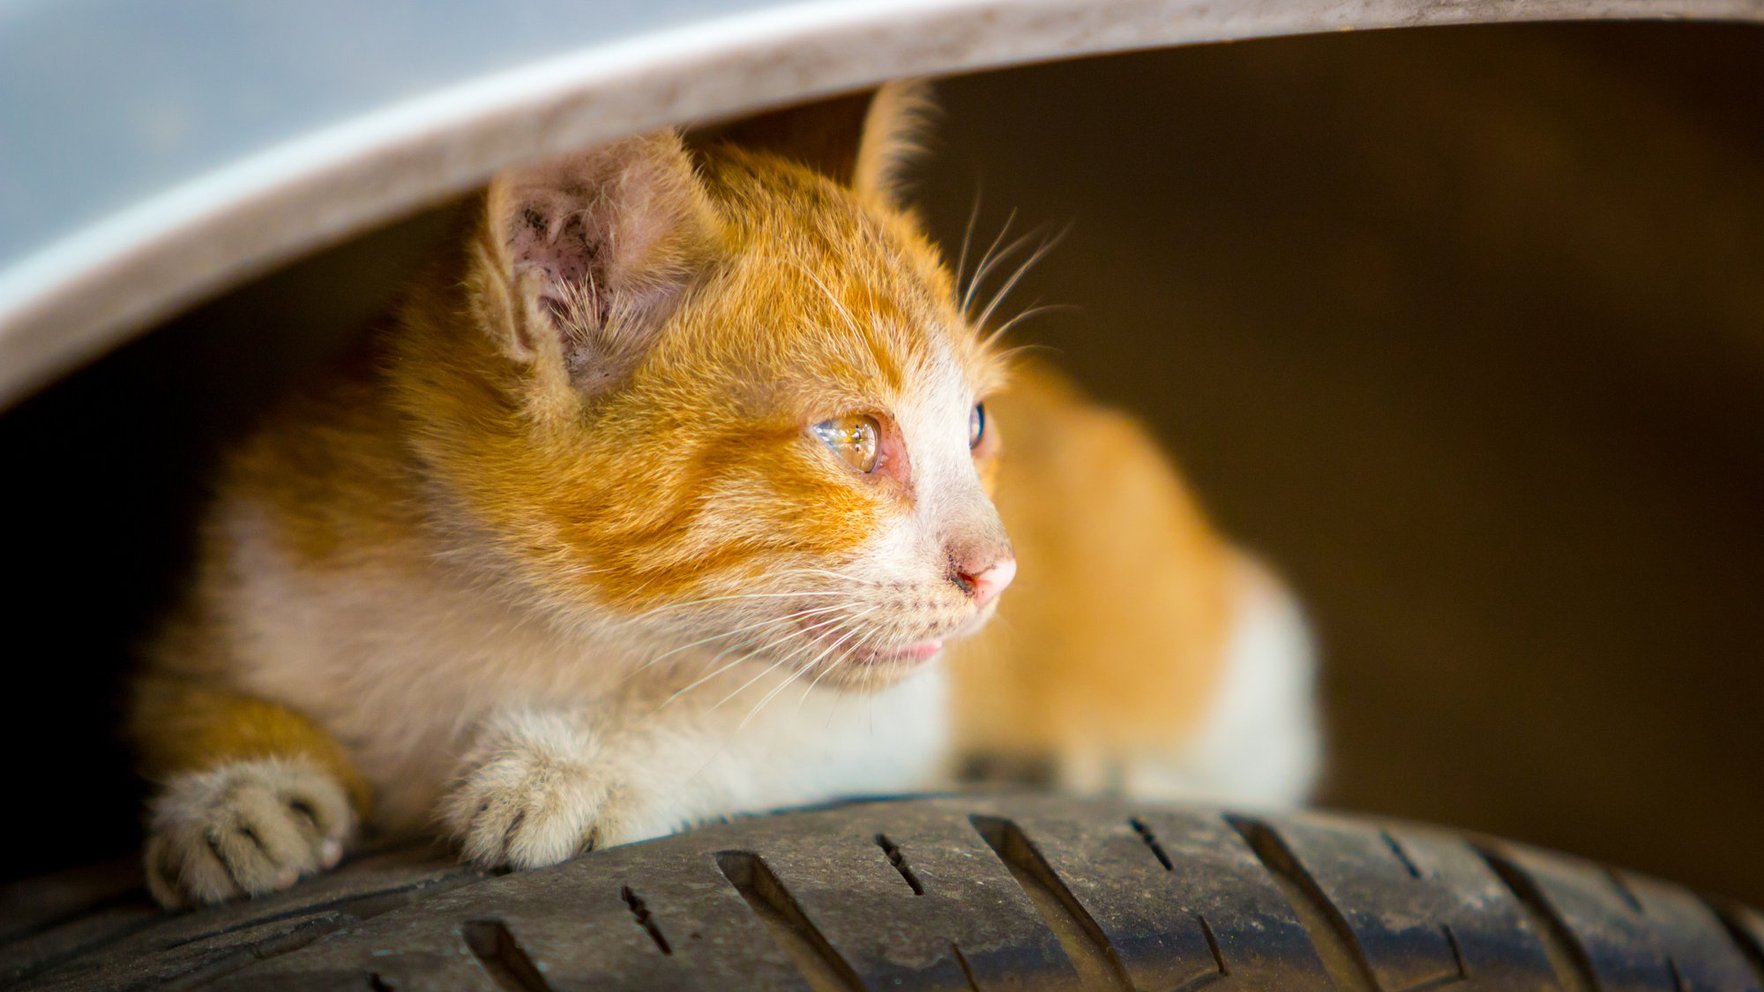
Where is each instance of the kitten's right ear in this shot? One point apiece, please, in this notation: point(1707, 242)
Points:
point(591, 253)
point(863, 140)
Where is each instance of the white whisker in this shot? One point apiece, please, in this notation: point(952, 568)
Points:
point(967, 238)
point(731, 633)
point(743, 687)
point(1022, 270)
point(836, 645)
point(980, 267)
point(1034, 311)
point(745, 655)
point(824, 672)
point(706, 677)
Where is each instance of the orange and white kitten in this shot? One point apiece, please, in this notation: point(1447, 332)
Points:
point(659, 500)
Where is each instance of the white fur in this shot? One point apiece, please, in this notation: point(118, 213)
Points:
point(243, 829)
point(531, 731)
point(530, 739)
point(437, 686)
point(482, 688)
point(542, 785)
point(1260, 744)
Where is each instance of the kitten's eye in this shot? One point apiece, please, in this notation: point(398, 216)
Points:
point(976, 425)
point(856, 439)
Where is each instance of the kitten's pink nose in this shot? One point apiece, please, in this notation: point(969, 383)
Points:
point(985, 585)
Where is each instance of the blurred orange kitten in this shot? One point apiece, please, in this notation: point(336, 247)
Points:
point(663, 498)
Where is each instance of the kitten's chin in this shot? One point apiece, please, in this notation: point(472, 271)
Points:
point(866, 669)
point(857, 675)
point(912, 653)
point(861, 667)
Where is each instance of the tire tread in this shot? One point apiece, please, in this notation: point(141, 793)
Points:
point(975, 892)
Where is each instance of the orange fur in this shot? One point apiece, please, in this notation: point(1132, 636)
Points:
point(554, 492)
point(690, 428)
point(1112, 641)
point(184, 727)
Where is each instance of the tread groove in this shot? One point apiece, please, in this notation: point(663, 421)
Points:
point(241, 957)
point(1567, 956)
point(1202, 981)
point(502, 957)
point(644, 918)
point(1402, 855)
point(362, 906)
point(898, 860)
point(1334, 942)
point(1151, 841)
point(1212, 943)
point(1084, 942)
point(93, 946)
point(1457, 951)
point(961, 961)
point(1744, 940)
point(1088, 904)
point(1678, 982)
point(1624, 892)
point(822, 967)
point(1460, 973)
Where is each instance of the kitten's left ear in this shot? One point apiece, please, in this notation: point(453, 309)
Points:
point(591, 253)
point(863, 140)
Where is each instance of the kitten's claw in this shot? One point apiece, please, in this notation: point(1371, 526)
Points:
point(244, 829)
point(532, 793)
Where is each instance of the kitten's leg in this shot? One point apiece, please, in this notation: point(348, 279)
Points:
point(539, 786)
point(253, 795)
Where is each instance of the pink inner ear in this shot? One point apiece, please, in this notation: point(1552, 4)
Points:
point(612, 236)
point(555, 242)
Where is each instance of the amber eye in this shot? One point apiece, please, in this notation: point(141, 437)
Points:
point(856, 439)
point(976, 425)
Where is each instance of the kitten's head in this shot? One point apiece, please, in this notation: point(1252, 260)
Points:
point(725, 397)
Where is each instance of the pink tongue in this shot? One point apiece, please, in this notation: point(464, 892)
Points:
point(922, 650)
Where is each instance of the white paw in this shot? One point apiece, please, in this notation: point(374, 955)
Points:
point(534, 791)
point(243, 829)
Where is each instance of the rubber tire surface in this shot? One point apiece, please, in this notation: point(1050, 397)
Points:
point(967, 892)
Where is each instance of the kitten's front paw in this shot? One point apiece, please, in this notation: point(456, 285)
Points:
point(534, 791)
point(243, 829)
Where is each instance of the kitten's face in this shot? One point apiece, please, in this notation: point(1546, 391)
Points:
point(794, 471)
point(821, 403)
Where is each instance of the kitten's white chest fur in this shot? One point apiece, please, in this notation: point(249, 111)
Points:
point(429, 680)
point(1259, 742)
